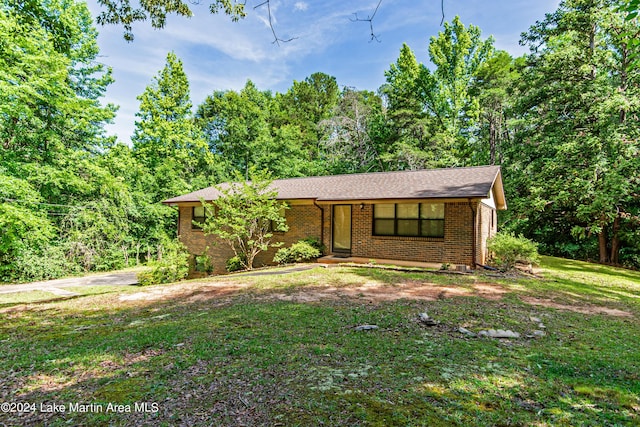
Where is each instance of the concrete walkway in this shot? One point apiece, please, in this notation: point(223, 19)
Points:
point(56, 286)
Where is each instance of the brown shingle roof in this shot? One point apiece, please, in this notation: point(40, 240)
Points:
point(470, 182)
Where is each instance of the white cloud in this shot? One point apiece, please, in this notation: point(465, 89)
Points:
point(301, 6)
point(219, 54)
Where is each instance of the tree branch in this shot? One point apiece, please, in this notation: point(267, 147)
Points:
point(369, 19)
point(276, 39)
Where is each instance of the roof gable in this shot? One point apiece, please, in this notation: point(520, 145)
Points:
point(470, 182)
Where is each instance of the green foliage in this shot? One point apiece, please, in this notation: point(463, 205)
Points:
point(171, 267)
point(573, 163)
point(433, 114)
point(24, 225)
point(42, 115)
point(349, 142)
point(235, 263)
point(122, 12)
point(245, 215)
point(314, 242)
point(306, 104)
point(506, 250)
point(49, 262)
point(166, 139)
point(301, 251)
point(203, 262)
point(244, 129)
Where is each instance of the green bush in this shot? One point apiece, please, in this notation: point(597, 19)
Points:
point(315, 242)
point(173, 266)
point(234, 264)
point(203, 262)
point(506, 250)
point(49, 262)
point(298, 252)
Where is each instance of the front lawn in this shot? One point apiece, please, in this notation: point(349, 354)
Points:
point(284, 350)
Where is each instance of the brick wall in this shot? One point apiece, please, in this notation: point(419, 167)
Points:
point(487, 227)
point(454, 248)
point(304, 221)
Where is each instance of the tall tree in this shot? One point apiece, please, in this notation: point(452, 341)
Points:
point(349, 144)
point(240, 130)
point(492, 88)
point(305, 105)
point(410, 125)
point(51, 83)
point(457, 53)
point(166, 139)
point(434, 113)
point(576, 161)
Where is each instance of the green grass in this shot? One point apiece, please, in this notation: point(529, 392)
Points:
point(264, 355)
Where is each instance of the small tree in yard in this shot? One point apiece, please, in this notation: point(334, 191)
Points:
point(245, 216)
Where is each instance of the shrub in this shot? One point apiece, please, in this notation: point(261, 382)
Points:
point(506, 250)
point(234, 264)
point(173, 266)
point(49, 262)
point(315, 242)
point(298, 252)
point(203, 263)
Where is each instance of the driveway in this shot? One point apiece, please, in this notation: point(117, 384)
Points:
point(56, 286)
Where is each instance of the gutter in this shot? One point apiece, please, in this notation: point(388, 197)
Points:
point(315, 202)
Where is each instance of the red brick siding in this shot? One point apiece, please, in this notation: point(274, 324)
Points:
point(454, 248)
point(304, 221)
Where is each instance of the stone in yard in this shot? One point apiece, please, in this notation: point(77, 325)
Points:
point(366, 327)
point(535, 319)
point(499, 333)
point(424, 318)
point(539, 333)
point(466, 332)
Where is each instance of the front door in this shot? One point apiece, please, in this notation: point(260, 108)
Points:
point(341, 228)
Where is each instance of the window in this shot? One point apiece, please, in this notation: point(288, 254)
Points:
point(198, 214)
point(432, 219)
point(408, 219)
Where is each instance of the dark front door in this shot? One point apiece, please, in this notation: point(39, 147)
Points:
point(341, 217)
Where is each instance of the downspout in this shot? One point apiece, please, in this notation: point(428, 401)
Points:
point(474, 236)
point(178, 221)
point(321, 222)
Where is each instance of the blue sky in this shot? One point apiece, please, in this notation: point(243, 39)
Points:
point(220, 55)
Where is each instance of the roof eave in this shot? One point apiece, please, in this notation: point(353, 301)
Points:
point(498, 192)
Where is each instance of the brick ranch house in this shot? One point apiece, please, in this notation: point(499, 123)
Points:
point(429, 216)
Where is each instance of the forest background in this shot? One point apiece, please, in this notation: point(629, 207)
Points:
point(562, 121)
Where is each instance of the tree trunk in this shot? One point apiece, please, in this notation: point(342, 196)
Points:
point(602, 245)
point(493, 133)
point(615, 242)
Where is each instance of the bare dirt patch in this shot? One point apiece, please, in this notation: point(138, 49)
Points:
point(193, 291)
point(584, 309)
point(372, 291)
point(376, 292)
